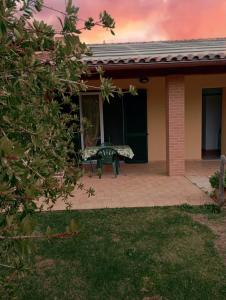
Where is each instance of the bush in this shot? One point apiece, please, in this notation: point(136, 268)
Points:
point(214, 180)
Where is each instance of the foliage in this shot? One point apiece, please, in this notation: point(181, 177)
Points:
point(214, 180)
point(38, 76)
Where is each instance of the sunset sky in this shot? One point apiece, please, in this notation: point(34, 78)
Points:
point(147, 20)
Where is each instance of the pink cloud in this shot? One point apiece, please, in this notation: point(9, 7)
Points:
point(142, 20)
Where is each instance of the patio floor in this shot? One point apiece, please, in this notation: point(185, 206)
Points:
point(143, 185)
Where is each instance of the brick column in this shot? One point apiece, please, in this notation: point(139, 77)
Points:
point(175, 106)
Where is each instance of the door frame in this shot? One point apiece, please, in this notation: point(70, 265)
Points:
point(101, 116)
point(213, 91)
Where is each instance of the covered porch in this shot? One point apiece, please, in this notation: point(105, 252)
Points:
point(145, 185)
point(179, 113)
point(174, 119)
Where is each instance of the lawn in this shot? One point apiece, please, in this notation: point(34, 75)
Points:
point(129, 254)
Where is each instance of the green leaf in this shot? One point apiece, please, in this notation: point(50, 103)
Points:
point(6, 119)
point(6, 145)
point(3, 29)
point(36, 141)
point(9, 220)
point(27, 225)
point(61, 22)
point(133, 90)
point(17, 33)
point(38, 5)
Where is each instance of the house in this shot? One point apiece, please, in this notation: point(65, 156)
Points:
point(180, 111)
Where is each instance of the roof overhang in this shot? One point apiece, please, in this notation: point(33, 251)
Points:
point(134, 70)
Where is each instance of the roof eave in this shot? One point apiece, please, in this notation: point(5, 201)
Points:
point(156, 65)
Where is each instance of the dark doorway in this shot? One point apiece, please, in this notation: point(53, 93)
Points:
point(211, 123)
point(135, 112)
point(113, 121)
point(125, 122)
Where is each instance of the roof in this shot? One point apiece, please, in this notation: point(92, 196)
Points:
point(157, 52)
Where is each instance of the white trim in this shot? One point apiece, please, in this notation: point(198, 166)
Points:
point(101, 117)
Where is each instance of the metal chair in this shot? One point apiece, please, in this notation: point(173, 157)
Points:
point(107, 156)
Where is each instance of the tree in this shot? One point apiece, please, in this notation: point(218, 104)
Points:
point(35, 133)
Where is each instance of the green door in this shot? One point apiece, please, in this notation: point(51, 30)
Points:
point(135, 125)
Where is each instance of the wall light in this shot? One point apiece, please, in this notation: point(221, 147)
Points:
point(144, 79)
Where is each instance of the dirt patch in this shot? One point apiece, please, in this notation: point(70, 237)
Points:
point(45, 264)
point(42, 265)
point(219, 228)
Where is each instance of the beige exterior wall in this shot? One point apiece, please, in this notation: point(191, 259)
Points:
point(193, 112)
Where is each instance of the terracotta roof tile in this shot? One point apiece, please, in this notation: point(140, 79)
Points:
point(153, 52)
point(157, 52)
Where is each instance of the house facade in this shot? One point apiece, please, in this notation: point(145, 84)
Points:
point(180, 111)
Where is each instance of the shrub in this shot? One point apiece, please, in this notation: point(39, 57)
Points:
point(214, 180)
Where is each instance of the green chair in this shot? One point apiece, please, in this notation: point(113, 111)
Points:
point(107, 156)
point(106, 144)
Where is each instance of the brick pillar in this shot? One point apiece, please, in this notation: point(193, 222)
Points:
point(175, 105)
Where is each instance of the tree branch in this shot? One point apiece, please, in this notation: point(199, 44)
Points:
point(7, 266)
point(31, 169)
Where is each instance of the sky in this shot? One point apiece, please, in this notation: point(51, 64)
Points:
point(148, 20)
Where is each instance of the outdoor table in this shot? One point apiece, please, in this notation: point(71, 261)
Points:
point(122, 150)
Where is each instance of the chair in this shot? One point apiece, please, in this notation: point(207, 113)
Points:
point(106, 144)
point(107, 156)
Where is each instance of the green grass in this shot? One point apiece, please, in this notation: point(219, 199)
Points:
point(128, 254)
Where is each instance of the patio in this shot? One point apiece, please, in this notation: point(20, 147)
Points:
point(143, 185)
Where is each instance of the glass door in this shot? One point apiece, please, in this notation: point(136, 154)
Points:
point(91, 116)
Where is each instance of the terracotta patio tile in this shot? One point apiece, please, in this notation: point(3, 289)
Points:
point(144, 185)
